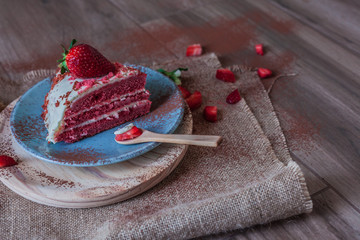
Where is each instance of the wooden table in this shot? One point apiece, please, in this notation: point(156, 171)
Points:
point(319, 108)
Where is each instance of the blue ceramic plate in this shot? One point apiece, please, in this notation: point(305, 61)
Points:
point(29, 131)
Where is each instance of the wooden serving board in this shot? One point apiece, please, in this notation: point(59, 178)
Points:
point(84, 187)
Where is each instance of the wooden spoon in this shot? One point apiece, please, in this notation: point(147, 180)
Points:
point(199, 140)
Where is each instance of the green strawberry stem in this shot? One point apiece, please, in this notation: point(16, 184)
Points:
point(173, 75)
point(62, 61)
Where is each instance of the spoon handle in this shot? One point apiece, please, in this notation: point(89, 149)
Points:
point(199, 140)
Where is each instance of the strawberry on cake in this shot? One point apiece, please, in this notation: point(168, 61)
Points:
point(89, 94)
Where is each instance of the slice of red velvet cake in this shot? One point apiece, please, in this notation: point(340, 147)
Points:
point(77, 107)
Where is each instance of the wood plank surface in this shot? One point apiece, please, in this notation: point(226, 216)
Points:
point(88, 187)
point(318, 109)
point(332, 218)
point(31, 37)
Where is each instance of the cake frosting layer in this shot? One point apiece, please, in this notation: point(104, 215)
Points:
point(73, 97)
point(104, 122)
point(104, 107)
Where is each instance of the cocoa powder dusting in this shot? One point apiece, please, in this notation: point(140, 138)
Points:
point(237, 32)
point(50, 180)
point(299, 131)
point(77, 156)
point(271, 22)
point(29, 128)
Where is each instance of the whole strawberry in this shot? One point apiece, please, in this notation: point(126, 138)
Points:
point(84, 61)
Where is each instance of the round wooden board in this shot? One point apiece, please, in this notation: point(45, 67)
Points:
point(84, 187)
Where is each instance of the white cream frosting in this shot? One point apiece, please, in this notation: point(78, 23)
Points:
point(124, 129)
point(57, 106)
point(119, 98)
point(112, 114)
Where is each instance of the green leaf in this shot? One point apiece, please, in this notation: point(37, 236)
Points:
point(173, 75)
point(176, 80)
point(72, 43)
point(65, 51)
point(161, 70)
point(64, 68)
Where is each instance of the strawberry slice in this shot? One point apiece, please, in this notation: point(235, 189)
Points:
point(264, 72)
point(233, 97)
point(210, 113)
point(84, 61)
point(194, 50)
point(259, 48)
point(134, 132)
point(225, 75)
point(6, 161)
point(195, 100)
point(184, 92)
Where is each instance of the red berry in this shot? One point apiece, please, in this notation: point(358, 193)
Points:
point(210, 113)
point(84, 61)
point(225, 75)
point(184, 92)
point(6, 161)
point(131, 134)
point(233, 97)
point(195, 100)
point(259, 48)
point(194, 50)
point(264, 72)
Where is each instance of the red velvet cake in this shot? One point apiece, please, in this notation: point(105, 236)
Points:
point(76, 107)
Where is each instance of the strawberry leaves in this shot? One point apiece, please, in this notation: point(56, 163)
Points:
point(173, 75)
point(62, 61)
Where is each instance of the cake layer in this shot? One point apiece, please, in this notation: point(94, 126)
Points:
point(109, 121)
point(68, 92)
point(109, 91)
point(105, 107)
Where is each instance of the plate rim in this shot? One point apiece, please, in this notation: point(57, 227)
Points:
point(123, 157)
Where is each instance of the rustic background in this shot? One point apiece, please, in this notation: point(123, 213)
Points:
point(317, 40)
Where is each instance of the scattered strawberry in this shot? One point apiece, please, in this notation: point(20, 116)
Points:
point(194, 101)
point(225, 75)
point(6, 161)
point(184, 92)
point(233, 97)
point(259, 48)
point(130, 134)
point(210, 113)
point(84, 61)
point(264, 72)
point(194, 50)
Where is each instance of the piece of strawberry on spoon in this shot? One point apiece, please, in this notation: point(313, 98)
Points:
point(130, 134)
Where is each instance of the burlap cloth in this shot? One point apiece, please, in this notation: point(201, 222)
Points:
point(249, 179)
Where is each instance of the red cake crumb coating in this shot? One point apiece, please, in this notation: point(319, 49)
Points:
point(108, 106)
point(91, 129)
point(77, 108)
point(127, 85)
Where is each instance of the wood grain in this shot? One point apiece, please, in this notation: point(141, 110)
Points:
point(72, 187)
point(318, 109)
point(332, 218)
point(31, 37)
